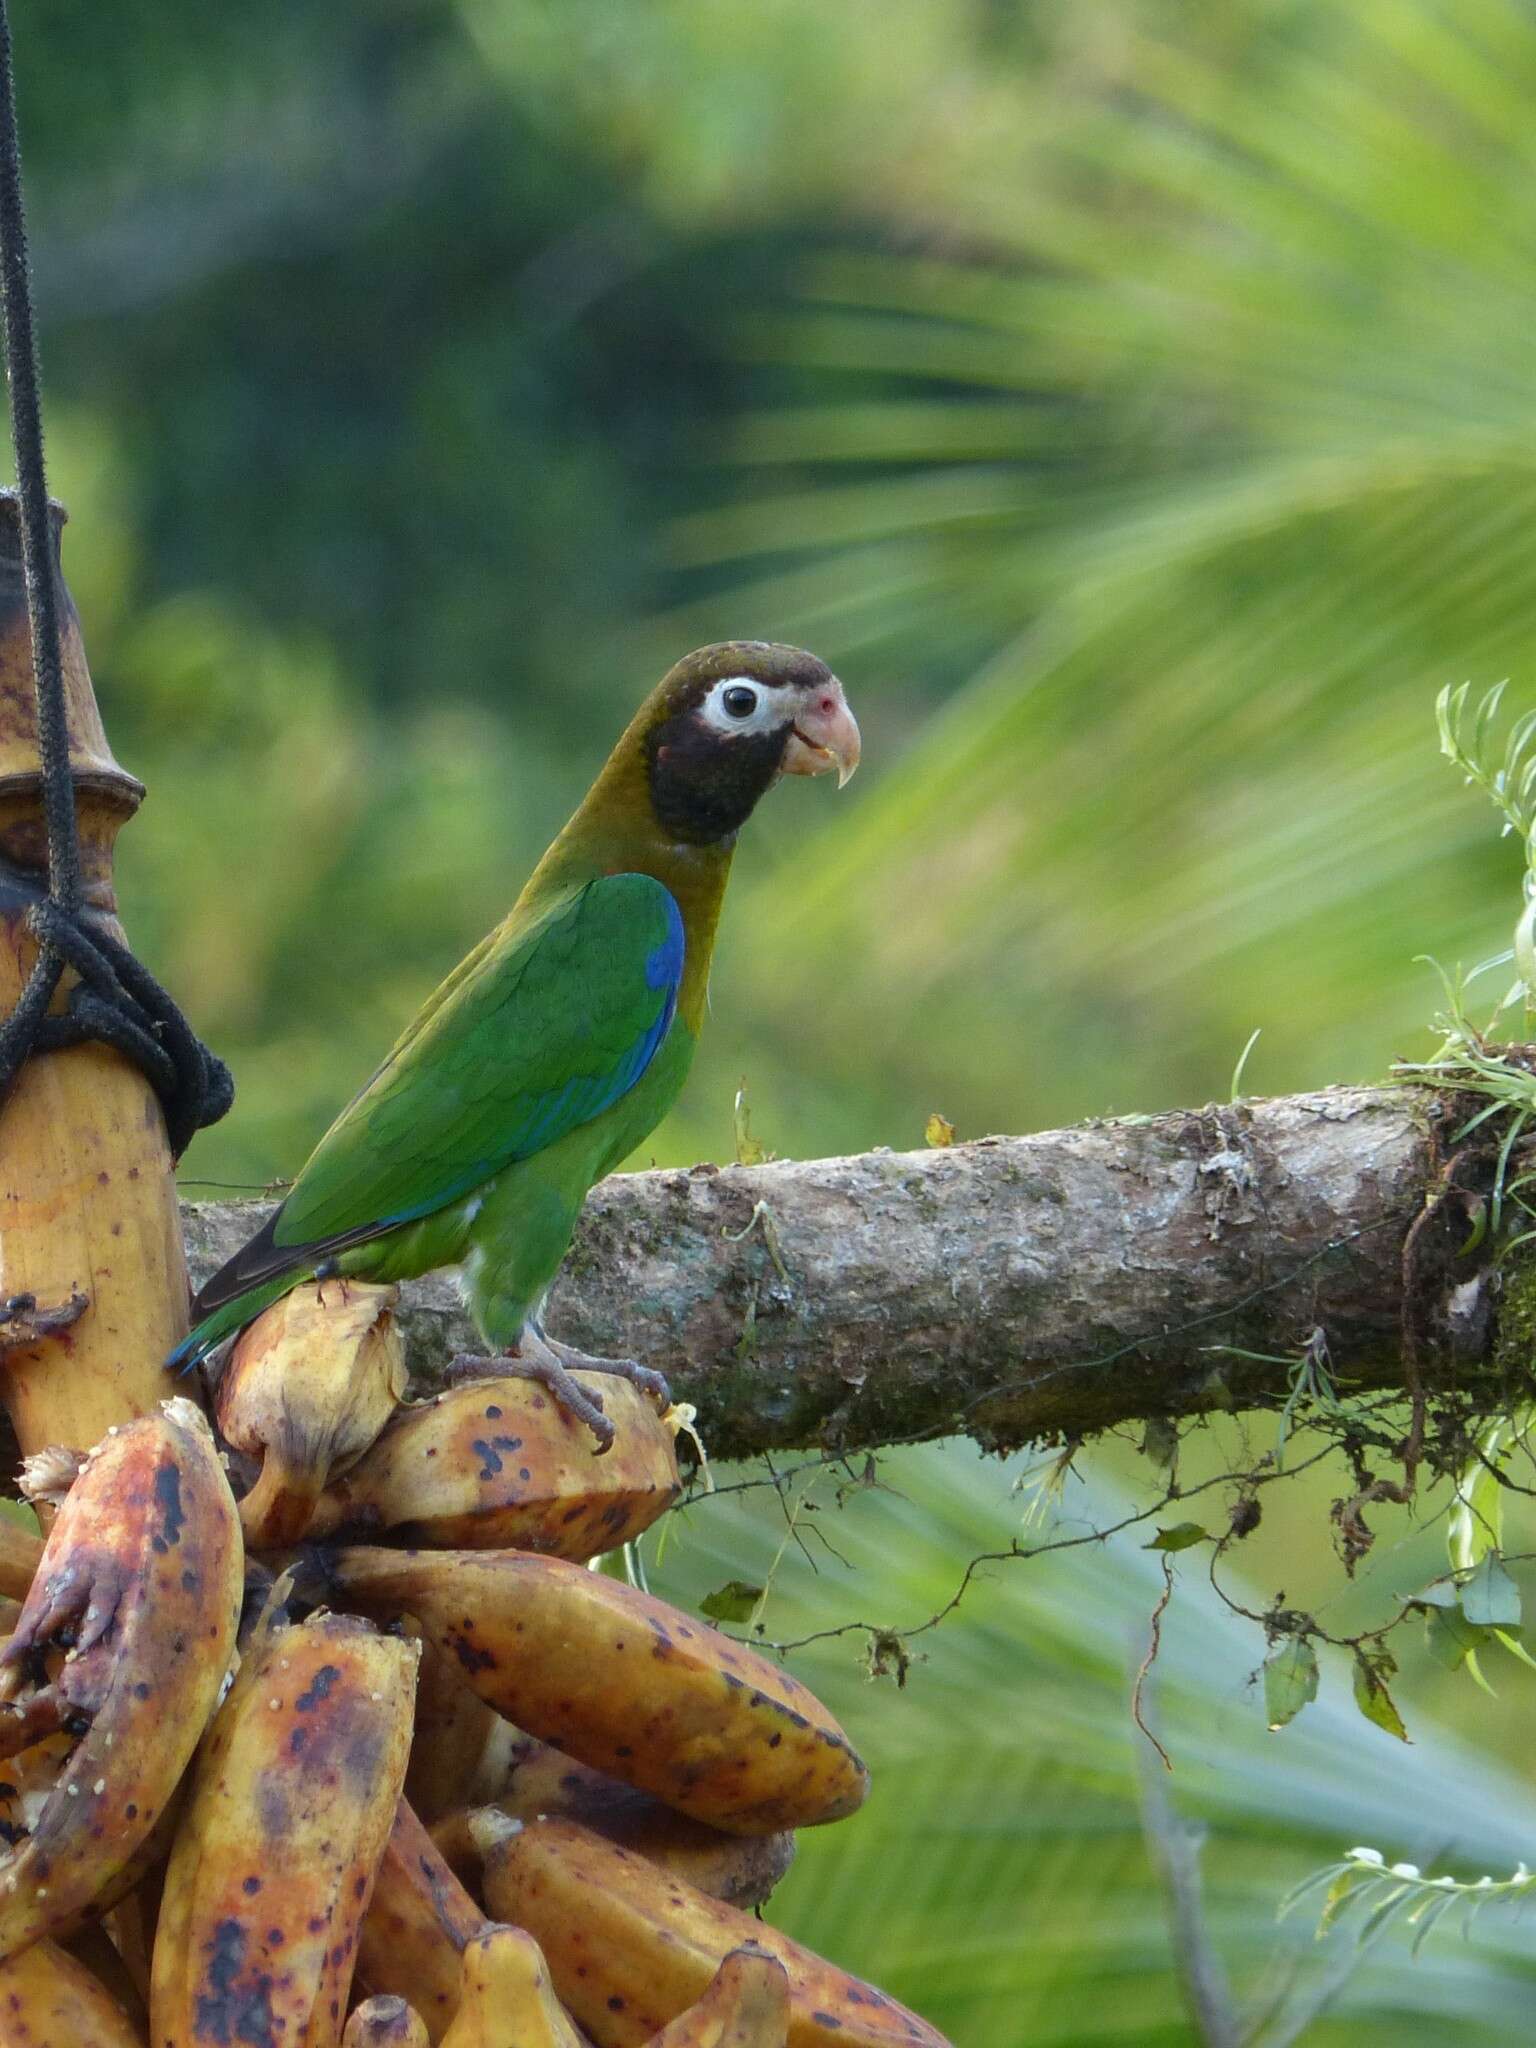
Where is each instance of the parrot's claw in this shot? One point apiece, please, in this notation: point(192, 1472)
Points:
point(643, 1376)
point(550, 1363)
point(534, 1360)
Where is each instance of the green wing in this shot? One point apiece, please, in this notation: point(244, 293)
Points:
point(537, 1034)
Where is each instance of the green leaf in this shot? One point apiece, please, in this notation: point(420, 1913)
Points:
point(1381, 1912)
point(1290, 1680)
point(1181, 1536)
point(1515, 1647)
point(939, 1130)
point(1424, 1917)
point(734, 1601)
point(1450, 1637)
point(1490, 1598)
point(1372, 1697)
point(1441, 1594)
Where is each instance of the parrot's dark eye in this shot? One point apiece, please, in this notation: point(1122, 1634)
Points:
point(739, 700)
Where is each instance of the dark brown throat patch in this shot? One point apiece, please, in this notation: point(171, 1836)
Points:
point(705, 785)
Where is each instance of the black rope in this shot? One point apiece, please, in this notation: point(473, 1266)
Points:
point(117, 1001)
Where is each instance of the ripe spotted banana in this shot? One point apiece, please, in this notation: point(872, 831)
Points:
point(630, 1952)
point(745, 2006)
point(508, 2001)
point(274, 1861)
point(622, 1682)
point(307, 1389)
point(496, 1463)
point(462, 1750)
point(741, 1869)
point(48, 2000)
point(412, 1938)
point(385, 2023)
point(123, 1642)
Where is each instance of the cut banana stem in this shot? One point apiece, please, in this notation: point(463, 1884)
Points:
point(498, 1463)
point(463, 1751)
point(629, 1954)
point(746, 2006)
point(48, 1999)
point(95, 1289)
point(413, 1935)
point(508, 2000)
point(385, 2023)
point(307, 1389)
point(274, 1863)
point(741, 1869)
point(622, 1682)
point(132, 1614)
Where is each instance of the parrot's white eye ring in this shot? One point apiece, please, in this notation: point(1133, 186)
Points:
point(741, 704)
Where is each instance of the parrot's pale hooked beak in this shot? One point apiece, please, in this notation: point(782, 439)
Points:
point(826, 735)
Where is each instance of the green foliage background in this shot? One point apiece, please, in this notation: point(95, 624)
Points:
point(1135, 402)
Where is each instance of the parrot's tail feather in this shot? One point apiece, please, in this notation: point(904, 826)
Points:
point(228, 1318)
point(188, 1353)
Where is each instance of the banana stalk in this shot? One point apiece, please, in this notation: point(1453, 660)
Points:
point(93, 1284)
point(622, 1682)
point(274, 1861)
point(117, 1658)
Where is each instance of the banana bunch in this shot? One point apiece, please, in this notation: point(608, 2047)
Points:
point(445, 1786)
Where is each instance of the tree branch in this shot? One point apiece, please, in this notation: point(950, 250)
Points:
point(1017, 1287)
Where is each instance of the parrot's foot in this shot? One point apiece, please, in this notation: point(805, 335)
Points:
point(644, 1377)
point(550, 1363)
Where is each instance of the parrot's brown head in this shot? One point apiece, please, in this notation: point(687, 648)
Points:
point(725, 723)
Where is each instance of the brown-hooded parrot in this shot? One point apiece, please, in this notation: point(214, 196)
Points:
point(562, 1040)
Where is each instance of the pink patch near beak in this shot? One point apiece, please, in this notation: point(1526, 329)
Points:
point(826, 735)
